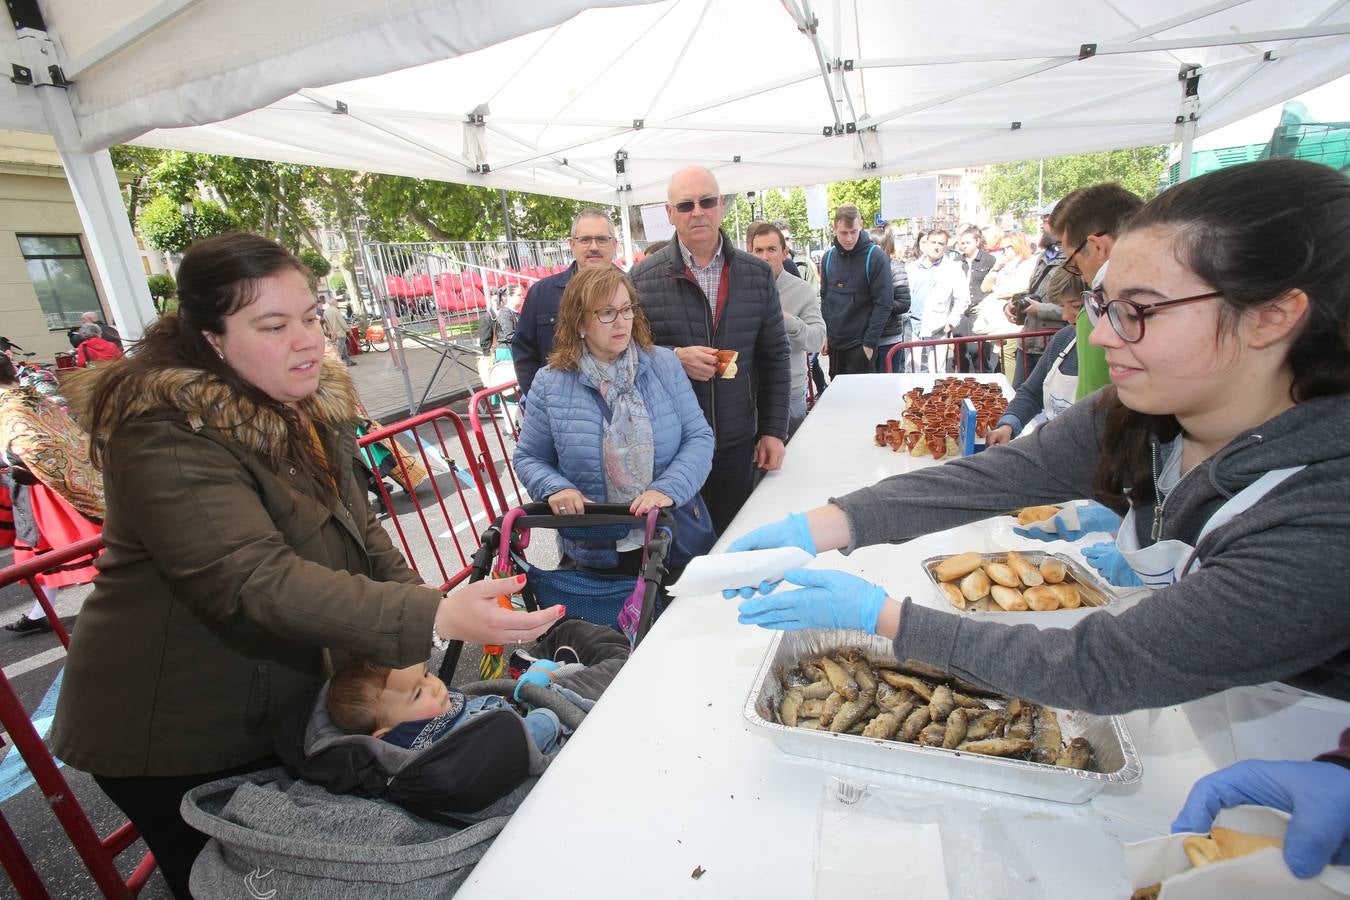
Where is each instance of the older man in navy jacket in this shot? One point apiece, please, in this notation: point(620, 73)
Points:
point(700, 295)
point(592, 242)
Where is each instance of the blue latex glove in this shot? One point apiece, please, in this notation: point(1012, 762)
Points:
point(827, 599)
point(790, 532)
point(1106, 559)
point(1315, 794)
point(540, 672)
point(1076, 521)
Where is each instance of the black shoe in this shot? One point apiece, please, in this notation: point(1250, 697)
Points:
point(25, 625)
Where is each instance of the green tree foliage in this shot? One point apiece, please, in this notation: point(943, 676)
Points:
point(315, 262)
point(337, 282)
point(164, 227)
point(161, 288)
point(864, 193)
point(1011, 187)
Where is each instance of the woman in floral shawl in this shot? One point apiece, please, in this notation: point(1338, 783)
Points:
point(57, 494)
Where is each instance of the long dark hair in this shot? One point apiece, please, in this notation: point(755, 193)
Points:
point(218, 276)
point(1253, 232)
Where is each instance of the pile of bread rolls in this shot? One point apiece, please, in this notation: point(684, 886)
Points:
point(1015, 585)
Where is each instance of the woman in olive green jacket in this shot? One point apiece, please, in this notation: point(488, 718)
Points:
point(239, 546)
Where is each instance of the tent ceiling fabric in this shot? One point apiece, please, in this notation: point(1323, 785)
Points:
point(391, 90)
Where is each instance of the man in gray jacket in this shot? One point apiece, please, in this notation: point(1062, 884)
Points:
point(801, 312)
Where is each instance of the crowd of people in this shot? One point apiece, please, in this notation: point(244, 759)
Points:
point(1196, 390)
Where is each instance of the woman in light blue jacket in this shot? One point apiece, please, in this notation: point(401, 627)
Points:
point(612, 418)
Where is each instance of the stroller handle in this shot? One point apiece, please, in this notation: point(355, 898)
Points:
point(540, 515)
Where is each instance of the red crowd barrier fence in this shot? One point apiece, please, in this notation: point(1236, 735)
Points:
point(421, 443)
point(955, 343)
point(98, 854)
point(494, 416)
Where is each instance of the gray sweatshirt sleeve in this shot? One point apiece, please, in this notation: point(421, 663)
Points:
point(1053, 464)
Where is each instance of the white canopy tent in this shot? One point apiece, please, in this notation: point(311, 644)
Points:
point(603, 104)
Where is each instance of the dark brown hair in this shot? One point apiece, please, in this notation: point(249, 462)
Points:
point(590, 290)
point(218, 276)
point(1100, 208)
point(1253, 232)
point(761, 228)
point(353, 700)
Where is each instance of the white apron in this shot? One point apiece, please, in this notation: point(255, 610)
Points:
point(1165, 562)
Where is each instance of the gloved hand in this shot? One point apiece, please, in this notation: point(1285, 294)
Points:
point(539, 673)
point(826, 599)
point(790, 532)
point(1106, 559)
point(1315, 794)
point(1074, 522)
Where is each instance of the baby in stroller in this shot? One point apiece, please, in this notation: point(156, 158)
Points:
point(412, 707)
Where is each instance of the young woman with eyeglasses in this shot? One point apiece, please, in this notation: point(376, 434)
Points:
point(1224, 440)
point(612, 418)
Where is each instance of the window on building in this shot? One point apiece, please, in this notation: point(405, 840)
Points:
point(61, 278)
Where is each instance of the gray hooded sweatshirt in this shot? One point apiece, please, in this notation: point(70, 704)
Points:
point(1271, 601)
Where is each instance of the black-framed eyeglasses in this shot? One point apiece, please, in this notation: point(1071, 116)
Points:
point(599, 240)
point(1126, 316)
point(1069, 265)
point(687, 206)
point(609, 314)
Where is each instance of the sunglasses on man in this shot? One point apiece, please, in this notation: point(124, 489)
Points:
point(687, 206)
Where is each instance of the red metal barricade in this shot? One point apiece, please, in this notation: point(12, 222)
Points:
point(982, 339)
point(423, 438)
point(495, 410)
point(99, 854)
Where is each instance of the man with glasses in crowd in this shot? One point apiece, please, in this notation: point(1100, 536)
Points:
point(592, 243)
point(1088, 220)
point(700, 295)
point(938, 296)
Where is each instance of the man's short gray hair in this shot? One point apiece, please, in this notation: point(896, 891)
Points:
point(91, 329)
point(589, 212)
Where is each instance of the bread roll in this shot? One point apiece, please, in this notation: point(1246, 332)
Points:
point(954, 594)
point(1028, 573)
point(1233, 844)
point(1002, 573)
point(1067, 594)
point(1008, 598)
point(975, 585)
point(1041, 598)
point(959, 566)
point(1053, 570)
point(1030, 514)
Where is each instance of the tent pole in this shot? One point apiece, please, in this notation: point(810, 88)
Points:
point(98, 197)
point(1187, 117)
point(626, 226)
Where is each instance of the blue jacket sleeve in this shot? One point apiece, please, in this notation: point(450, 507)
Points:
point(1030, 397)
point(684, 477)
point(881, 288)
point(525, 349)
point(536, 456)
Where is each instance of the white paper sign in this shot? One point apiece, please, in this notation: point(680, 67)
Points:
point(817, 213)
point(909, 198)
point(656, 223)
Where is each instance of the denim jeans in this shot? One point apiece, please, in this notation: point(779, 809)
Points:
point(542, 724)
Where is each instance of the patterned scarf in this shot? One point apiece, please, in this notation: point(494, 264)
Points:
point(627, 448)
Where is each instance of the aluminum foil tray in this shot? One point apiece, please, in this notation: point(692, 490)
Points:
point(1117, 761)
point(1089, 587)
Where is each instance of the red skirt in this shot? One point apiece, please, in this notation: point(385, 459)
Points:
point(59, 525)
point(6, 518)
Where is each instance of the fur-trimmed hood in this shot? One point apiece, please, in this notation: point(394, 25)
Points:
point(207, 402)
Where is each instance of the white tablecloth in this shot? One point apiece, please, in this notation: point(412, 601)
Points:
point(664, 778)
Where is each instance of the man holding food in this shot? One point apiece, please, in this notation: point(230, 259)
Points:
point(718, 309)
